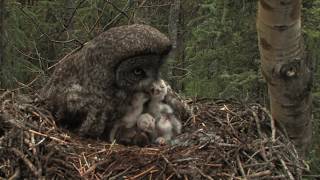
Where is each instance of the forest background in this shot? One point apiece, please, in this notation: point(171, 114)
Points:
point(215, 48)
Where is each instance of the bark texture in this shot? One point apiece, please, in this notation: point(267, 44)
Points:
point(68, 13)
point(176, 36)
point(2, 9)
point(286, 68)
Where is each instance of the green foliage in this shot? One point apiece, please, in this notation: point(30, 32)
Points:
point(311, 13)
point(38, 35)
point(19, 43)
point(222, 53)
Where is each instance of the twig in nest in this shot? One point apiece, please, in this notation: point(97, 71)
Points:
point(171, 165)
point(29, 164)
point(273, 130)
point(273, 126)
point(50, 137)
point(16, 123)
point(225, 108)
point(203, 174)
point(241, 168)
point(3, 95)
point(16, 174)
point(94, 166)
point(186, 159)
point(142, 173)
point(229, 123)
point(259, 174)
point(5, 104)
point(120, 174)
point(285, 167)
point(262, 152)
point(85, 159)
point(277, 177)
point(170, 176)
point(256, 118)
point(228, 145)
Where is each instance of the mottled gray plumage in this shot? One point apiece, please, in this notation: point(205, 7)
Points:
point(93, 87)
point(129, 120)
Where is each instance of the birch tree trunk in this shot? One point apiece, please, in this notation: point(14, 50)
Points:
point(286, 68)
point(176, 36)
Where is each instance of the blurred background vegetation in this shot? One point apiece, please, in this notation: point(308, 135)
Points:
point(215, 51)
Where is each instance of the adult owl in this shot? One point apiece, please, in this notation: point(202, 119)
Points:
point(91, 89)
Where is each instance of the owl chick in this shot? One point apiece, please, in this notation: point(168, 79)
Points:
point(158, 91)
point(147, 123)
point(130, 119)
point(93, 87)
point(164, 128)
point(167, 126)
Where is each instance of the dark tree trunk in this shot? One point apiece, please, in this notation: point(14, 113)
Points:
point(68, 21)
point(286, 68)
point(176, 25)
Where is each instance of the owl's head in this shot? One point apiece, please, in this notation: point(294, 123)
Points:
point(130, 55)
point(146, 123)
point(138, 73)
point(158, 90)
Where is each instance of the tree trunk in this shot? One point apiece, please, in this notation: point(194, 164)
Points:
point(2, 46)
point(67, 33)
point(176, 36)
point(68, 21)
point(286, 68)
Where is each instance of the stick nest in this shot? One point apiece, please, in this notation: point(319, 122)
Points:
point(222, 140)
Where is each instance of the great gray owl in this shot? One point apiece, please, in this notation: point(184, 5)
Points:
point(92, 88)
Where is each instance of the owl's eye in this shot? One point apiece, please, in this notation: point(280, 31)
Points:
point(138, 72)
